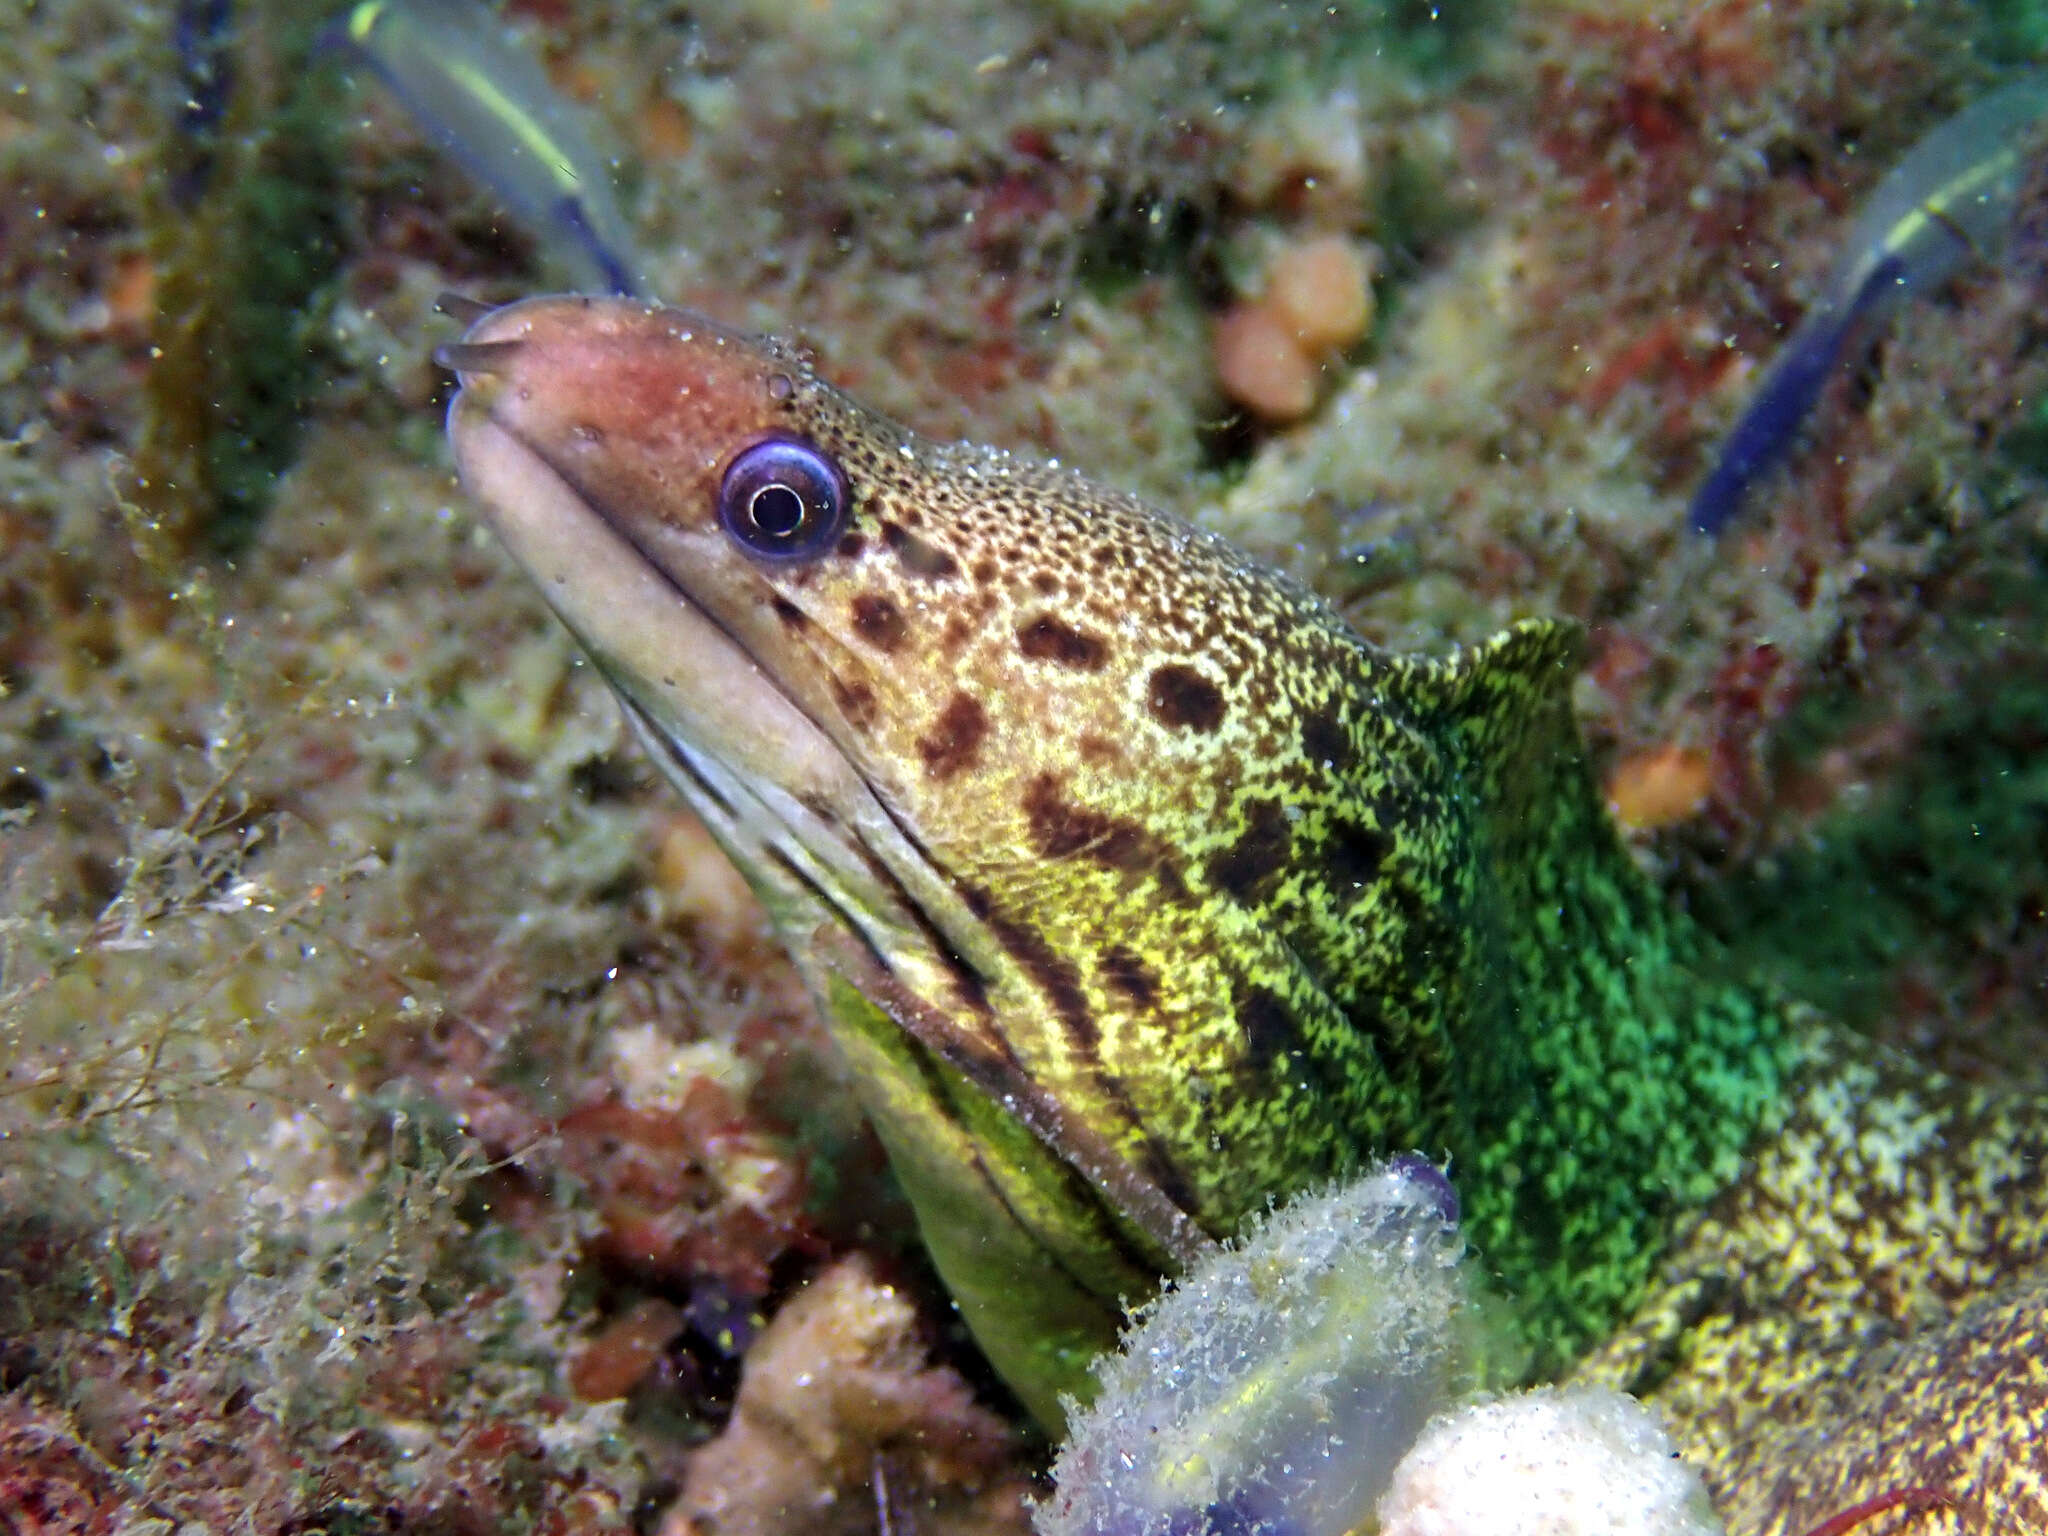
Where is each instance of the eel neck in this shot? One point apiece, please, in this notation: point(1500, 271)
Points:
point(1641, 1069)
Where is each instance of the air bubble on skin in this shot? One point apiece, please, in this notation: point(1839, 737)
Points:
point(780, 386)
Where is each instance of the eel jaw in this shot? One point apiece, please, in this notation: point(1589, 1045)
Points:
point(844, 879)
point(791, 810)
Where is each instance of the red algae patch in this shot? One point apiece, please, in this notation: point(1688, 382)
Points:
point(624, 1350)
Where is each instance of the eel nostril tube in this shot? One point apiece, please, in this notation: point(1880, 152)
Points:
point(462, 307)
point(476, 356)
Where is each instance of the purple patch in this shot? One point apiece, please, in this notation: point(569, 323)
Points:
point(1434, 1182)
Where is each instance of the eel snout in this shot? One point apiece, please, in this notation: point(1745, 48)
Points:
point(563, 432)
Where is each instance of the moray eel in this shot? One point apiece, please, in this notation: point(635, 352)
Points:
point(1139, 890)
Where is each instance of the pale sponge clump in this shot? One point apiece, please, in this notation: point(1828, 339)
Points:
point(1272, 1391)
point(1546, 1463)
point(1320, 1378)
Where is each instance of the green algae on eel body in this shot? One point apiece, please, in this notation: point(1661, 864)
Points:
point(1138, 887)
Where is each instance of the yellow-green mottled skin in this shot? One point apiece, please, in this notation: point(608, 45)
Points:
point(1142, 891)
point(1865, 1310)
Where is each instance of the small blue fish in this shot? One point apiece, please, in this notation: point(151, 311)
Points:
point(1948, 202)
point(487, 103)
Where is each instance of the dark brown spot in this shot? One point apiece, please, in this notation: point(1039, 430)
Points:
point(1274, 1040)
point(918, 557)
point(957, 628)
point(1064, 830)
point(984, 570)
point(1173, 885)
point(879, 622)
point(971, 992)
point(1046, 638)
point(1180, 697)
point(1057, 979)
point(1070, 1004)
point(1354, 856)
point(1126, 972)
point(1259, 852)
point(851, 544)
point(1268, 1025)
point(1324, 740)
point(792, 616)
point(969, 986)
point(856, 702)
point(1098, 751)
point(954, 741)
point(1045, 584)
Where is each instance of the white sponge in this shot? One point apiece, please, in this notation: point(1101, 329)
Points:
point(1546, 1463)
point(1317, 1378)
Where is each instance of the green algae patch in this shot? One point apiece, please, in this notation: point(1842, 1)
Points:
point(1439, 42)
point(1941, 858)
point(2012, 31)
point(245, 236)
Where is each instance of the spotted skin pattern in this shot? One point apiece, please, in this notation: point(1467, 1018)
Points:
point(1866, 1310)
point(1141, 892)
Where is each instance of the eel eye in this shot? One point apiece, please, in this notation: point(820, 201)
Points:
point(783, 499)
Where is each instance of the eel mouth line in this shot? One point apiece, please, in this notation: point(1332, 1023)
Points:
point(809, 821)
point(619, 530)
point(783, 784)
point(679, 702)
point(461, 308)
point(490, 358)
point(874, 857)
point(462, 357)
